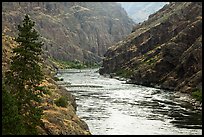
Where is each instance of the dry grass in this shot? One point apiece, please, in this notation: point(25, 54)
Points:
point(57, 120)
point(60, 120)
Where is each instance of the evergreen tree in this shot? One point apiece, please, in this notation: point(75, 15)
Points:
point(11, 120)
point(25, 74)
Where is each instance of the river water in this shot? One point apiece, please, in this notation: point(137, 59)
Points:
point(112, 107)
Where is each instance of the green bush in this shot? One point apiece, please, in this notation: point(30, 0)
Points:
point(44, 90)
point(58, 79)
point(197, 94)
point(124, 73)
point(75, 64)
point(61, 102)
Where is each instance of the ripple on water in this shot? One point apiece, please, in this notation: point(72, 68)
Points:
point(109, 106)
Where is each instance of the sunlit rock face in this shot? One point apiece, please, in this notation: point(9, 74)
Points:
point(165, 50)
point(71, 30)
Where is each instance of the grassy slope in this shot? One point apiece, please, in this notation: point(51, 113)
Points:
point(57, 120)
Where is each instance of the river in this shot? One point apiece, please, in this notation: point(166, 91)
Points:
point(112, 107)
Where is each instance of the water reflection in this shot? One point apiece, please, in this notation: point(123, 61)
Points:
point(110, 106)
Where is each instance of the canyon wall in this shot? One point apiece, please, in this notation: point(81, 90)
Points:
point(164, 51)
point(71, 30)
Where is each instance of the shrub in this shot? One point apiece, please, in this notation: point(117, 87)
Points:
point(197, 94)
point(61, 102)
point(58, 79)
point(124, 73)
point(44, 89)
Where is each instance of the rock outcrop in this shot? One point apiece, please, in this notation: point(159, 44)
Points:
point(164, 51)
point(71, 30)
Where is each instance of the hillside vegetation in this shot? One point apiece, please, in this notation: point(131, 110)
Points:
point(165, 51)
point(56, 119)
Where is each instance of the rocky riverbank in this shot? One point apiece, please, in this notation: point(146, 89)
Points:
point(60, 120)
point(197, 105)
point(178, 95)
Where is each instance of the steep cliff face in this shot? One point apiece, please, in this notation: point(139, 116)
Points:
point(165, 50)
point(71, 30)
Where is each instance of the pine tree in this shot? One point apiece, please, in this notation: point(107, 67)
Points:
point(11, 120)
point(25, 74)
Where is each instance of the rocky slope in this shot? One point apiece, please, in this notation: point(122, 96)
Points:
point(164, 51)
point(139, 11)
point(71, 30)
point(57, 120)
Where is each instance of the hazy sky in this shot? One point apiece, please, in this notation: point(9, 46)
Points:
point(139, 11)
